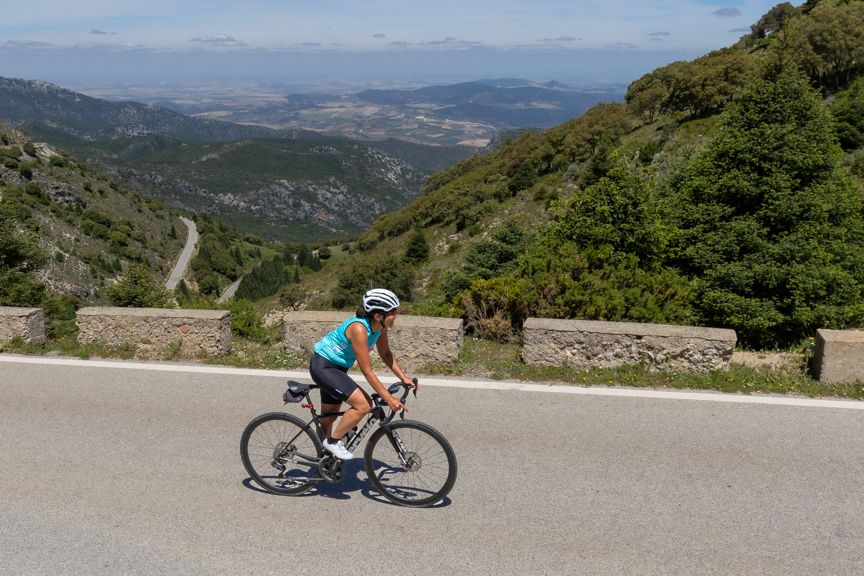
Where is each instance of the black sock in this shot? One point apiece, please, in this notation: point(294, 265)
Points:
point(332, 440)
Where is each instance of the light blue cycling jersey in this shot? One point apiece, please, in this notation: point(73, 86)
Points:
point(335, 346)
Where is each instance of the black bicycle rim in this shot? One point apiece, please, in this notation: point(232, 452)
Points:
point(280, 453)
point(429, 473)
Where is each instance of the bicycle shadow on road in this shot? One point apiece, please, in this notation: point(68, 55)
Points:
point(351, 482)
point(341, 490)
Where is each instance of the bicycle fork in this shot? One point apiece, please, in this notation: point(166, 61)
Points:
point(396, 441)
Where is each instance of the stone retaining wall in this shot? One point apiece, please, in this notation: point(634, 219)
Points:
point(585, 344)
point(839, 356)
point(28, 323)
point(416, 341)
point(158, 331)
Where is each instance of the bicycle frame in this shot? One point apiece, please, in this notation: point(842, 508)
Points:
point(354, 438)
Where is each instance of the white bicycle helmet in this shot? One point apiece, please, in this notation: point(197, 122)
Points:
point(380, 299)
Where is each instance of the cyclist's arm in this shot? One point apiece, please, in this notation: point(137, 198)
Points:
point(356, 334)
point(389, 359)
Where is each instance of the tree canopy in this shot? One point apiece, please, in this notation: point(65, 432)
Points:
point(770, 224)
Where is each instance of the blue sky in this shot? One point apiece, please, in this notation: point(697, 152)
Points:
point(357, 40)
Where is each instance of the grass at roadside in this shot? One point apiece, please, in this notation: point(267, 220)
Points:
point(481, 358)
point(484, 359)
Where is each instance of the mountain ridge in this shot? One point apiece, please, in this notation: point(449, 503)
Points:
point(298, 184)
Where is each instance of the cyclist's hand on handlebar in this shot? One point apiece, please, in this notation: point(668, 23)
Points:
point(410, 382)
point(395, 404)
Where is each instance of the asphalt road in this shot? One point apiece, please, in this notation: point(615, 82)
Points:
point(185, 255)
point(131, 471)
point(229, 292)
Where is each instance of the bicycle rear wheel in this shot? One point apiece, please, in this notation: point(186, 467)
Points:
point(280, 452)
point(413, 466)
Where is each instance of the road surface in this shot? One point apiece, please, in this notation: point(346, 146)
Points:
point(230, 291)
point(116, 468)
point(185, 255)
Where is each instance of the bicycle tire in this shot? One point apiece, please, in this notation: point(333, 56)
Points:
point(273, 440)
point(429, 477)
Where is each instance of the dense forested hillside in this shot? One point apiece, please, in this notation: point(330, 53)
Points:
point(727, 191)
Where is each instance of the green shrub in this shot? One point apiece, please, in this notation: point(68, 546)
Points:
point(209, 284)
point(25, 169)
point(139, 289)
point(848, 111)
point(417, 249)
point(372, 272)
point(33, 189)
point(20, 257)
point(245, 321)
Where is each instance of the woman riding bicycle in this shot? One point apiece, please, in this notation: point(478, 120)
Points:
point(336, 352)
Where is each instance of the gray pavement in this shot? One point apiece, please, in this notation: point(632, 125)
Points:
point(185, 255)
point(229, 292)
point(122, 471)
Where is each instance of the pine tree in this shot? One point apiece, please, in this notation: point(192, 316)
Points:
point(139, 289)
point(417, 250)
point(770, 222)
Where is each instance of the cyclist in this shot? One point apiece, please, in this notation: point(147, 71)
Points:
point(336, 352)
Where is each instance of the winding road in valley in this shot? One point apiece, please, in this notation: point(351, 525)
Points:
point(185, 256)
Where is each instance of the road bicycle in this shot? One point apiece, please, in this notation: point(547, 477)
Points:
point(409, 462)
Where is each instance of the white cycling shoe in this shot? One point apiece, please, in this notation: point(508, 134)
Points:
point(337, 449)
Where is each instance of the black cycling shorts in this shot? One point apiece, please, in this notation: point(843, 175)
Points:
point(335, 384)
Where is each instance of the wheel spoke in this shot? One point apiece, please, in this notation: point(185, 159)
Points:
point(431, 468)
point(287, 438)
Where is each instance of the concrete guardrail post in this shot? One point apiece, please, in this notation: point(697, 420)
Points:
point(28, 323)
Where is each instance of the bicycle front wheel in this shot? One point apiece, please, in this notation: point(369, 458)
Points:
point(281, 452)
point(410, 463)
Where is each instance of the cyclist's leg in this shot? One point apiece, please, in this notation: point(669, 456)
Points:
point(361, 405)
point(337, 387)
point(320, 370)
point(326, 408)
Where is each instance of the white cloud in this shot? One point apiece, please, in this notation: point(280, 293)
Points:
point(560, 39)
point(218, 40)
point(28, 45)
point(621, 46)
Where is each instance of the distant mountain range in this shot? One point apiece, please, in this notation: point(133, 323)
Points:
point(285, 184)
point(42, 108)
point(467, 113)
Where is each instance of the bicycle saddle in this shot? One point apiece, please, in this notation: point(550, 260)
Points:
point(296, 391)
